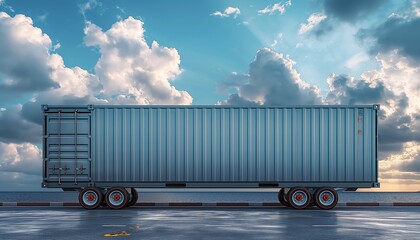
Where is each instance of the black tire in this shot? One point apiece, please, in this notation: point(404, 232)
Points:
point(326, 198)
point(104, 204)
point(90, 198)
point(116, 197)
point(299, 198)
point(134, 196)
point(282, 198)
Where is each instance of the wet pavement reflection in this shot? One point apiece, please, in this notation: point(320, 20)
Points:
point(218, 223)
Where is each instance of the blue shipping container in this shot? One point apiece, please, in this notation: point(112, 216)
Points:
point(210, 146)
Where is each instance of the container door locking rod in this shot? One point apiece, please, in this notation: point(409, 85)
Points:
point(59, 148)
point(75, 148)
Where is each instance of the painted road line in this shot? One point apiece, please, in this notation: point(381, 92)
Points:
point(408, 204)
point(209, 204)
point(9, 204)
point(364, 204)
point(162, 204)
point(56, 204)
point(386, 204)
point(271, 204)
point(185, 204)
point(70, 204)
point(255, 204)
point(32, 204)
point(232, 204)
point(145, 204)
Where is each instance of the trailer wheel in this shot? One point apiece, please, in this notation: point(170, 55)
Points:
point(90, 198)
point(282, 198)
point(134, 196)
point(116, 197)
point(299, 197)
point(326, 198)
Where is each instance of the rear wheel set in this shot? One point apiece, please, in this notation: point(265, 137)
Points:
point(301, 198)
point(114, 198)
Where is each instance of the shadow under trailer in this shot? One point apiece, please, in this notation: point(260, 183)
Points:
point(105, 152)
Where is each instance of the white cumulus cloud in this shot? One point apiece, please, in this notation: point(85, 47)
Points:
point(130, 70)
point(401, 75)
point(277, 7)
point(21, 158)
point(313, 21)
point(229, 11)
point(24, 51)
point(272, 80)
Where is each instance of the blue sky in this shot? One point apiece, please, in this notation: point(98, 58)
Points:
point(210, 47)
point(210, 52)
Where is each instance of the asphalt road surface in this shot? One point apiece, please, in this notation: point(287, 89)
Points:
point(217, 223)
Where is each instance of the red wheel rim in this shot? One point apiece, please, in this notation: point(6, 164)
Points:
point(117, 197)
point(91, 197)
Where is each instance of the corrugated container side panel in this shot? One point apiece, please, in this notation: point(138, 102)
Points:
point(340, 143)
point(245, 148)
point(324, 134)
point(198, 160)
point(315, 144)
point(286, 145)
point(132, 142)
point(242, 163)
point(271, 147)
point(277, 144)
point(189, 136)
point(359, 147)
point(368, 145)
point(231, 162)
point(350, 145)
point(332, 140)
point(207, 145)
point(260, 124)
point(233, 144)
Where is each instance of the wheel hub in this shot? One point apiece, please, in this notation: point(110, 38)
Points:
point(91, 197)
point(116, 197)
point(325, 197)
point(299, 197)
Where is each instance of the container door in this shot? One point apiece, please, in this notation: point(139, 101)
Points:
point(67, 153)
